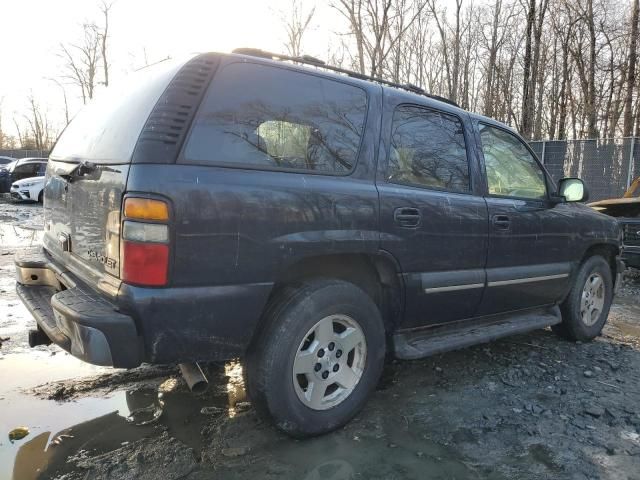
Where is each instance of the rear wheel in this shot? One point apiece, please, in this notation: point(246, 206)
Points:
point(318, 357)
point(586, 308)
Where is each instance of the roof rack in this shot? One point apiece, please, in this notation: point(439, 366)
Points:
point(315, 62)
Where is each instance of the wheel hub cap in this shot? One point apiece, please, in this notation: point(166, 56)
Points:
point(329, 362)
point(592, 299)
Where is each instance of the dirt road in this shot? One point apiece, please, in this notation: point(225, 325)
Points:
point(526, 407)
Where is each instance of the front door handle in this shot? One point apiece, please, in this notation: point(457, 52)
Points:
point(501, 222)
point(407, 217)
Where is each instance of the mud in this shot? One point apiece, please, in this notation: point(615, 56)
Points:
point(528, 407)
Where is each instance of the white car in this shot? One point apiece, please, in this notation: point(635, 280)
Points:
point(28, 189)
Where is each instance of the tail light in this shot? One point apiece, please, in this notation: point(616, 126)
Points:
point(145, 242)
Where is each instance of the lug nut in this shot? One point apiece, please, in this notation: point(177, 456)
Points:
point(325, 374)
point(317, 367)
point(338, 353)
point(332, 346)
point(336, 367)
point(321, 353)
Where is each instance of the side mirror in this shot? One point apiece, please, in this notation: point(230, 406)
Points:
point(573, 190)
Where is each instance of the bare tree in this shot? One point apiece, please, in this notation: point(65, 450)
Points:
point(296, 23)
point(631, 69)
point(82, 61)
point(38, 123)
point(377, 26)
point(103, 35)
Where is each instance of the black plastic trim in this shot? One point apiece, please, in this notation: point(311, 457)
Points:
point(166, 128)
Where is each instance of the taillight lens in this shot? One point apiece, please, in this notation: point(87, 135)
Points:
point(145, 245)
point(145, 263)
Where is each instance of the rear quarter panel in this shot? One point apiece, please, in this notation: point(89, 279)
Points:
point(234, 226)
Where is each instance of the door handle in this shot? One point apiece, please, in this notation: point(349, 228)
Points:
point(407, 217)
point(501, 222)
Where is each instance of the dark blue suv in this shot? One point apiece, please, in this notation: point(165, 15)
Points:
point(308, 220)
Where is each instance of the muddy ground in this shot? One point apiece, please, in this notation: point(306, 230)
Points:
point(526, 407)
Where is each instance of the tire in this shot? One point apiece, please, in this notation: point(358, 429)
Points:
point(577, 322)
point(40, 196)
point(303, 323)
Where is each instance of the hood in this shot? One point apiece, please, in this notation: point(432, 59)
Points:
point(615, 201)
point(24, 181)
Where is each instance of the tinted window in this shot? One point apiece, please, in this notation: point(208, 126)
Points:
point(428, 150)
point(107, 129)
point(511, 170)
point(28, 169)
point(276, 118)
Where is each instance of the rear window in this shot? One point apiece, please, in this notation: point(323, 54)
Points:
point(274, 118)
point(107, 129)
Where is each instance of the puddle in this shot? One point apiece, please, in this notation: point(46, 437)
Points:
point(15, 236)
point(95, 424)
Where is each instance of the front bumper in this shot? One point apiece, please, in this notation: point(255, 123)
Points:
point(620, 267)
point(74, 316)
point(20, 194)
point(631, 256)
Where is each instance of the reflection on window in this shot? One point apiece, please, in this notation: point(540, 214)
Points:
point(511, 169)
point(277, 118)
point(428, 149)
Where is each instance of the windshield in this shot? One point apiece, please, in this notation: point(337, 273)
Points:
point(106, 130)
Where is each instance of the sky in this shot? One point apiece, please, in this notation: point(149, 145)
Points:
point(32, 31)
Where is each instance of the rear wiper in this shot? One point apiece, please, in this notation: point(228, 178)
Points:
point(80, 170)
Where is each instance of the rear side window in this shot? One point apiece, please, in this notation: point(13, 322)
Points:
point(269, 117)
point(428, 150)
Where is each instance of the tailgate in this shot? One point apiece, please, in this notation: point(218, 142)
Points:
point(87, 176)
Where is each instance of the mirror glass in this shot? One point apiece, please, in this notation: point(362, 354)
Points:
point(572, 189)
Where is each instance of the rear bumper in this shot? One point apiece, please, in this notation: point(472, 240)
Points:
point(75, 317)
point(161, 325)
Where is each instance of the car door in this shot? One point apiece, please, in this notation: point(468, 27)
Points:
point(528, 256)
point(433, 218)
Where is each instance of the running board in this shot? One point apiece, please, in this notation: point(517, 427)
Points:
point(431, 341)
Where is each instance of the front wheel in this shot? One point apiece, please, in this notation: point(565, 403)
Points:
point(586, 308)
point(318, 357)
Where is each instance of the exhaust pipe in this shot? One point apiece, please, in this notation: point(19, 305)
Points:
point(38, 337)
point(192, 373)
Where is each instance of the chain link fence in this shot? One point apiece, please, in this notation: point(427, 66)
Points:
point(24, 153)
point(607, 166)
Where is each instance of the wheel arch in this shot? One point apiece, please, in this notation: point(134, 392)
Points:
point(607, 250)
point(376, 274)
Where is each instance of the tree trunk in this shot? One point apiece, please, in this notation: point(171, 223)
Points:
point(631, 75)
point(526, 121)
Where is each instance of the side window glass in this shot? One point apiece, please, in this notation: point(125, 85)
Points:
point(511, 170)
point(428, 150)
point(21, 170)
point(271, 117)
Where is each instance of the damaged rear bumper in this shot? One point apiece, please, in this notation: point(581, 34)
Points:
point(74, 316)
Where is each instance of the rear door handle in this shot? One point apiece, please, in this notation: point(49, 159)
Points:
point(501, 222)
point(407, 217)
